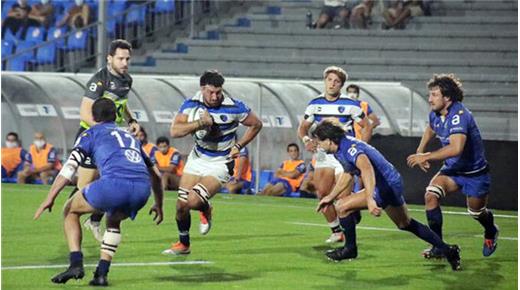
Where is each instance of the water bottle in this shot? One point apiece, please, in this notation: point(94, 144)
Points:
point(309, 19)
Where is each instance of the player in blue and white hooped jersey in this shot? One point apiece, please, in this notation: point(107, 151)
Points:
point(338, 108)
point(212, 118)
point(383, 191)
point(465, 166)
point(121, 191)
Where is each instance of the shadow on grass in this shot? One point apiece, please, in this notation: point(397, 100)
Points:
point(204, 274)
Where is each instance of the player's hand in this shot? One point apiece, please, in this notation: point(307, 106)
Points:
point(324, 204)
point(310, 145)
point(373, 208)
point(134, 128)
point(235, 151)
point(206, 118)
point(419, 159)
point(158, 217)
point(47, 204)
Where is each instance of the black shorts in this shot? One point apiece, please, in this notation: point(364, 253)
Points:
point(87, 163)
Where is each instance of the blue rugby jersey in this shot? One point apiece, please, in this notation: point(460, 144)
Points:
point(344, 109)
point(116, 153)
point(350, 148)
point(222, 135)
point(459, 120)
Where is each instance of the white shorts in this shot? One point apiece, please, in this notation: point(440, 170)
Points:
point(324, 160)
point(201, 166)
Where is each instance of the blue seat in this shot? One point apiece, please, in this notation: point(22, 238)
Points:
point(265, 177)
point(7, 48)
point(6, 6)
point(10, 36)
point(46, 54)
point(77, 40)
point(57, 34)
point(16, 63)
point(136, 14)
point(116, 8)
point(164, 6)
point(35, 34)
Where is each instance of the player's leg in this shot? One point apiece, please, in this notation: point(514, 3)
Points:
point(277, 189)
point(111, 240)
point(401, 218)
point(439, 187)
point(324, 182)
point(235, 187)
point(182, 215)
point(476, 189)
point(87, 173)
point(74, 208)
point(198, 199)
point(346, 207)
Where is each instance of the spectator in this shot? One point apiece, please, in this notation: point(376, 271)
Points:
point(77, 16)
point(13, 156)
point(332, 9)
point(169, 162)
point(289, 176)
point(399, 12)
point(241, 180)
point(42, 162)
point(360, 16)
point(18, 19)
point(307, 189)
point(373, 120)
point(149, 148)
point(43, 13)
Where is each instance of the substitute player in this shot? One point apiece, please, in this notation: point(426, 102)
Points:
point(338, 108)
point(213, 120)
point(465, 166)
point(112, 82)
point(383, 190)
point(121, 191)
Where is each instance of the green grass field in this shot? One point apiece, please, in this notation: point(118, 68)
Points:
point(256, 243)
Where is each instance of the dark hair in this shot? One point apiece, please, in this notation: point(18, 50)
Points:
point(141, 129)
point(327, 130)
point(212, 77)
point(355, 87)
point(293, 145)
point(119, 43)
point(12, 134)
point(450, 86)
point(162, 139)
point(104, 110)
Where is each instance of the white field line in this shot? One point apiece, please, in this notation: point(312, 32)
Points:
point(385, 229)
point(29, 267)
point(312, 208)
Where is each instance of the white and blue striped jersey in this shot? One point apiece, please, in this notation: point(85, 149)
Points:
point(221, 137)
point(344, 110)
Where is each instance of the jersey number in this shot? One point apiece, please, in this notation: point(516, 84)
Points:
point(93, 87)
point(352, 151)
point(455, 120)
point(120, 140)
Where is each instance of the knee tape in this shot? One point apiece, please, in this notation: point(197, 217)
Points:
point(111, 240)
point(202, 192)
point(436, 190)
point(477, 213)
point(182, 194)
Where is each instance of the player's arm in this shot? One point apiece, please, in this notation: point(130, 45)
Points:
point(133, 125)
point(85, 111)
point(303, 131)
point(369, 181)
point(374, 120)
point(180, 126)
point(455, 148)
point(158, 194)
point(254, 125)
point(64, 177)
point(425, 139)
point(344, 182)
point(366, 128)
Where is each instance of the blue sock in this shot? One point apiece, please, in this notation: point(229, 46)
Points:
point(425, 233)
point(349, 229)
point(434, 217)
point(76, 258)
point(103, 266)
point(184, 230)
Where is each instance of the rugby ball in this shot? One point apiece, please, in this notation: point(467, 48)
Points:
point(194, 115)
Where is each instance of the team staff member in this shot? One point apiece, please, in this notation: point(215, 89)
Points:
point(289, 175)
point(170, 164)
point(42, 161)
point(13, 156)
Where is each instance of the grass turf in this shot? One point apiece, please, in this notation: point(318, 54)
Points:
point(255, 243)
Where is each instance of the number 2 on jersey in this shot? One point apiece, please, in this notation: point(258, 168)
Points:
point(120, 140)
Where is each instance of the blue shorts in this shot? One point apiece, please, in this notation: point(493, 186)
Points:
point(286, 185)
point(389, 194)
point(474, 185)
point(115, 194)
point(245, 187)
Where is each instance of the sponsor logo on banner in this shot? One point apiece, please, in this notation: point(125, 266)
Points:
point(281, 121)
point(71, 113)
point(163, 116)
point(140, 115)
point(266, 121)
point(46, 110)
point(27, 110)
